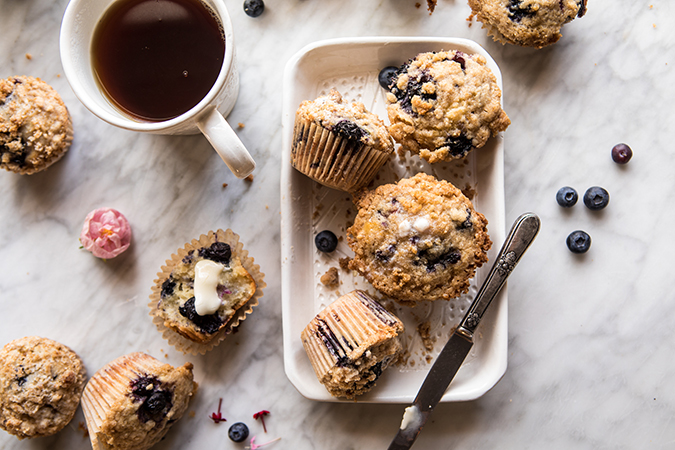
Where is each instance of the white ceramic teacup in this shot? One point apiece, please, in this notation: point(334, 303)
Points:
point(77, 30)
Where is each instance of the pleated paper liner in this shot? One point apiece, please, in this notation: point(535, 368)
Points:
point(181, 342)
point(332, 160)
point(109, 386)
point(347, 328)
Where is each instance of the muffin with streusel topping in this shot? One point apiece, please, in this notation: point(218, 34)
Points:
point(529, 23)
point(41, 382)
point(418, 240)
point(339, 143)
point(35, 126)
point(441, 105)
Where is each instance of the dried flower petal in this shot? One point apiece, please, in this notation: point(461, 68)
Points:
point(218, 417)
point(106, 233)
point(261, 415)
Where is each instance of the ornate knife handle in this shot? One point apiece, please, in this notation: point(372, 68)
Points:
point(518, 240)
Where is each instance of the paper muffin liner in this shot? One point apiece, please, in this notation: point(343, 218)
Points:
point(345, 329)
point(177, 340)
point(108, 386)
point(332, 160)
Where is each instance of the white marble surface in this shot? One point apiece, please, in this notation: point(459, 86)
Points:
point(590, 337)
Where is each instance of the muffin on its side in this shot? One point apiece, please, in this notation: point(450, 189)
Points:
point(206, 288)
point(131, 403)
point(35, 126)
point(529, 23)
point(339, 144)
point(418, 240)
point(41, 382)
point(443, 104)
point(351, 342)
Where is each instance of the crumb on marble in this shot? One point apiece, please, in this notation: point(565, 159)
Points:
point(192, 414)
point(331, 279)
point(224, 185)
point(431, 5)
point(470, 20)
point(418, 5)
point(241, 125)
point(249, 178)
point(29, 56)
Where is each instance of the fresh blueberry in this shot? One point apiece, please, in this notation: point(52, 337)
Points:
point(254, 8)
point(621, 153)
point(238, 432)
point(578, 241)
point(387, 76)
point(326, 241)
point(567, 197)
point(596, 198)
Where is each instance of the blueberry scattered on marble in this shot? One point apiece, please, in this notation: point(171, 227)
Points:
point(621, 153)
point(254, 8)
point(596, 198)
point(578, 241)
point(326, 241)
point(386, 76)
point(567, 197)
point(238, 432)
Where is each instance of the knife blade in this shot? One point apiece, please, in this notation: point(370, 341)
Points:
point(451, 357)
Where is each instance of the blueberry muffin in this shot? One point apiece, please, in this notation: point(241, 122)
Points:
point(41, 382)
point(443, 104)
point(339, 144)
point(530, 23)
point(131, 403)
point(204, 290)
point(418, 240)
point(351, 342)
point(35, 126)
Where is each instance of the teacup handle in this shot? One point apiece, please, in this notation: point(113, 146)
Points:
point(226, 143)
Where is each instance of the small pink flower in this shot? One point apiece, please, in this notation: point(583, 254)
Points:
point(106, 233)
point(255, 446)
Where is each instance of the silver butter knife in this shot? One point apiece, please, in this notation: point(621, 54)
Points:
point(448, 362)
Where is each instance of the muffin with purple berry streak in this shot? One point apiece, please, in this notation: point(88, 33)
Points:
point(204, 290)
point(528, 23)
point(339, 143)
point(351, 342)
point(131, 403)
point(441, 105)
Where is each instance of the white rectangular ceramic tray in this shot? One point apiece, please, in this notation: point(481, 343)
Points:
point(351, 66)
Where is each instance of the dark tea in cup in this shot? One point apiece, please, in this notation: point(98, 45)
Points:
point(156, 59)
